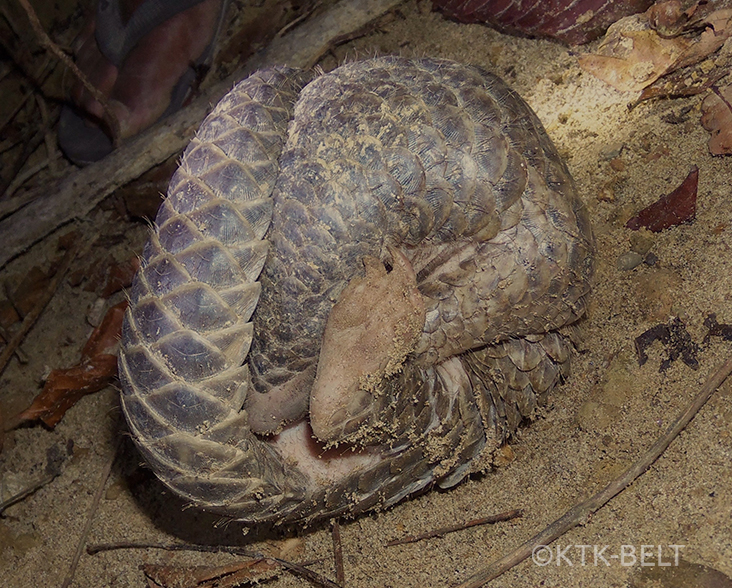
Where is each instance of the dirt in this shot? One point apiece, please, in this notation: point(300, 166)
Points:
point(608, 412)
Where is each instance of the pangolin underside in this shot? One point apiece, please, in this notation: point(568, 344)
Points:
point(360, 283)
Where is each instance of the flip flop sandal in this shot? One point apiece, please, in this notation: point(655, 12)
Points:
point(81, 135)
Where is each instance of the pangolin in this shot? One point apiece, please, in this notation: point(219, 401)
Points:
point(359, 284)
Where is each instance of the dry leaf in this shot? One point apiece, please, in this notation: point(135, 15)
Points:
point(688, 81)
point(635, 57)
point(119, 276)
point(671, 210)
point(717, 119)
point(98, 365)
point(630, 60)
point(228, 576)
point(668, 18)
point(105, 276)
point(718, 30)
point(31, 289)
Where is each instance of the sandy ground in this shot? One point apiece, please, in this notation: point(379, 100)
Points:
point(596, 425)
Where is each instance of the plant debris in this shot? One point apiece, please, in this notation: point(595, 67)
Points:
point(64, 387)
point(664, 51)
point(55, 457)
point(39, 304)
point(671, 210)
point(676, 340)
point(226, 576)
point(717, 119)
point(504, 516)
point(716, 329)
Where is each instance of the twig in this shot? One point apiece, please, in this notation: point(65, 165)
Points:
point(29, 147)
point(303, 572)
point(33, 315)
point(16, 110)
point(21, 179)
point(27, 492)
point(504, 516)
point(233, 550)
point(295, 22)
point(51, 149)
point(90, 517)
point(57, 204)
point(8, 207)
point(21, 56)
point(335, 534)
point(47, 43)
point(297, 569)
point(579, 513)
point(19, 353)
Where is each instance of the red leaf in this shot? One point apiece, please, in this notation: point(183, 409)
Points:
point(717, 119)
point(96, 369)
point(64, 388)
point(105, 337)
point(120, 276)
point(673, 209)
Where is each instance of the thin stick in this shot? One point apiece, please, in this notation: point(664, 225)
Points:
point(5, 336)
point(27, 492)
point(48, 44)
point(17, 109)
point(30, 144)
point(100, 547)
point(51, 149)
point(21, 179)
point(297, 569)
point(33, 315)
point(303, 572)
point(8, 207)
point(504, 516)
point(582, 511)
point(335, 534)
point(90, 517)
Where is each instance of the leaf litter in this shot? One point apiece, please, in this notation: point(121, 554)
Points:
point(670, 52)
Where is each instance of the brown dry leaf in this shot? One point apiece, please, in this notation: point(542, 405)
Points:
point(119, 276)
point(105, 276)
point(634, 57)
point(717, 119)
point(31, 289)
point(8, 314)
point(671, 210)
point(718, 30)
point(688, 81)
point(228, 576)
point(64, 387)
point(669, 18)
point(631, 60)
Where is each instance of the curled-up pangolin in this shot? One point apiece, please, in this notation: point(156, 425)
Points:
point(356, 288)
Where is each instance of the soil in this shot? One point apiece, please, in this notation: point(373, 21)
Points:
point(601, 420)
